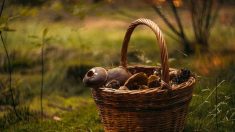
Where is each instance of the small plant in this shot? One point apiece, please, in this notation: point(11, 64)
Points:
point(42, 66)
point(42, 41)
point(6, 28)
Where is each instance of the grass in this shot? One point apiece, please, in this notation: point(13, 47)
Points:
point(86, 117)
point(75, 46)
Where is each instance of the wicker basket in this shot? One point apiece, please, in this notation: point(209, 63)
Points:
point(153, 109)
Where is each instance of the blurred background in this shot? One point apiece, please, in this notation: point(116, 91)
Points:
point(48, 45)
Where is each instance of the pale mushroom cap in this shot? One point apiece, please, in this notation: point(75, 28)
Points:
point(95, 77)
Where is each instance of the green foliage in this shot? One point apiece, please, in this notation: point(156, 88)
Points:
point(5, 94)
point(29, 2)
point(10, 118)
point(75, 73)
point(204, 111)
point(21, 62)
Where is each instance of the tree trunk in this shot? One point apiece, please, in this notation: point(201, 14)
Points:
point(189, 48)
point(203, 45)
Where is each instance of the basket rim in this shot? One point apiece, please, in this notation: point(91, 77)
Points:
point(191, 81)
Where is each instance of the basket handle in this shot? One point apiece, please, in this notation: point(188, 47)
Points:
point(161, 41)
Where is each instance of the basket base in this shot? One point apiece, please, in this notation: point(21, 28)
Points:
point(172, 120)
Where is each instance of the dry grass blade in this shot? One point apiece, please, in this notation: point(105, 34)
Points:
point(199, 106)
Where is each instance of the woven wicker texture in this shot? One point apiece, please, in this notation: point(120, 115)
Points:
point(148, 110)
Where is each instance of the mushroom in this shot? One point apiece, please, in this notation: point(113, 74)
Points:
point(119, 74)
point(98, 76)
point(182, 76)
point(113, 84)
point(154, 81)
point(95, 77)
point(136, 81)
point(174, 74)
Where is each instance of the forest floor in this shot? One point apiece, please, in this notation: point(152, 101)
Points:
point(75, 45)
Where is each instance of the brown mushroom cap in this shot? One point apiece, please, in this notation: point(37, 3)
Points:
point(95, 77)
point(154, 81)
point(174, 73)
point(119, 73)
point(136, 81)
point(113, 84)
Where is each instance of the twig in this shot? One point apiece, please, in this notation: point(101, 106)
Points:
point(2, 6)
point(193, 13)
point(177, 19)
point(215, 15)
point(208, 14)
point(42, 78)
point(216, 102)
point(165, 20)
point(42, 73)
point(170, 35)
point(42, 68)
point(183, 39)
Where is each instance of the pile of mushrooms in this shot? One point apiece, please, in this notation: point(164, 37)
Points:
point(121, 78)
